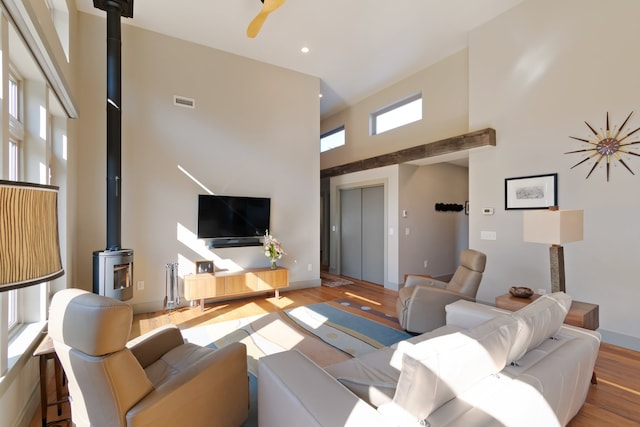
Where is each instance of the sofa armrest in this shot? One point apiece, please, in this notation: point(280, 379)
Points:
point(151, 346)
point(310, 395)
point(467, 314)
point(211, 390)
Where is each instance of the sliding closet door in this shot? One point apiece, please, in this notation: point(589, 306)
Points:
point(351, 233)
point(362, 233)
point(373, 234)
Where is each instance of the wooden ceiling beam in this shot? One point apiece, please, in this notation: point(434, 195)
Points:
point(476, 139)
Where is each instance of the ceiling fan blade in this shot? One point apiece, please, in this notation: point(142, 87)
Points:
point(256, 24)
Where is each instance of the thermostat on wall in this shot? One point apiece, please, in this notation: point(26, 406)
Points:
point(487, 211)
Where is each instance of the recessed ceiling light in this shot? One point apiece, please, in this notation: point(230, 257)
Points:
point(304, 49)
point(320, 96)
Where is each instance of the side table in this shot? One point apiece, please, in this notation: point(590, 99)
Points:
point(46, 351)
point(581, 314)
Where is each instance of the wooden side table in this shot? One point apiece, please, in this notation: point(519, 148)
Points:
point(581, 314)
point(45, 351)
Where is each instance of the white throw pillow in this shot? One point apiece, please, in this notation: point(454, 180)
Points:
point(435, 371)
point(538, 321)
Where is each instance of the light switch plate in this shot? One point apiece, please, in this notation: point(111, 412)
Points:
point(488, 235)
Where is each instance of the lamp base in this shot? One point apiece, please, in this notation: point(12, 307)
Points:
point(556, 256)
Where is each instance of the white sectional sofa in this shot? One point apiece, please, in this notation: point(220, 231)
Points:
point(485, 367)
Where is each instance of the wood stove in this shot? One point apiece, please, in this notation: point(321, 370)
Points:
point(113, 274)
point(113, 267)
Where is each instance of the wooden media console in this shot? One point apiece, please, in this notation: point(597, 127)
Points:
point(232, 284)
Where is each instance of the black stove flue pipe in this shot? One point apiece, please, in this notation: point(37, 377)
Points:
point(115, 9)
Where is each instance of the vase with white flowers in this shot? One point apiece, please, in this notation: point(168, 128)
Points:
point(272, 249)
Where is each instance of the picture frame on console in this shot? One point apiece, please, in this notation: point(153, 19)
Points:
point(531, 192)
point(204, 266)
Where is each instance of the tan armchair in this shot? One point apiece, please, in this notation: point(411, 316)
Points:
point(421, 302)
point(155, 380)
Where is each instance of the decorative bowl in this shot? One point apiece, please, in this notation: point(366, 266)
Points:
point(520, 292)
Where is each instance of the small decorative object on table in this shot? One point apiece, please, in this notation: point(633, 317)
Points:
point(204, 266)
point(520, 292)
point(272, 249)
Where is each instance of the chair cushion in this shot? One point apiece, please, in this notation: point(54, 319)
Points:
point(473, 260)
point(468, 275)
point(435, 371)
point(417, 280)
point(100, 325)
point(538, 321)
point(465, 281)
point(175, 361)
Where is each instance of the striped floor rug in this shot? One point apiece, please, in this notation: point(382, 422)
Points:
point(327, 333)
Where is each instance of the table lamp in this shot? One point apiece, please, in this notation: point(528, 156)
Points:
point(29, 244)
point(555, 227)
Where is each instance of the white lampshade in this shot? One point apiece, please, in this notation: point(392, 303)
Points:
point(553, 227)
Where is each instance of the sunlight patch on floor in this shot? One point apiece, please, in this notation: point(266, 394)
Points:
point(351, 295)
point(618, 386)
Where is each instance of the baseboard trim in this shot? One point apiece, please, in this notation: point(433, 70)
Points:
point(621, 340)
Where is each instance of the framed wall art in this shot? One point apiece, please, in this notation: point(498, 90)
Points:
point(531, 192)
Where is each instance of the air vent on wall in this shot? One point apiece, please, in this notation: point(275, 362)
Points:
point(184, 102)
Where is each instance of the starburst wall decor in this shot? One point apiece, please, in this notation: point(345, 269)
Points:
point(607, 145)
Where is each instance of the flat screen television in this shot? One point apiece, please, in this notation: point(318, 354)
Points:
point(233, 218)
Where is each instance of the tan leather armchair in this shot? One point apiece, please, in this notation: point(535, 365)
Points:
point(154, 380)
point(421, 302)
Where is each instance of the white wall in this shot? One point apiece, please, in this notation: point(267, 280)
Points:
point(434, 236)
point(254, 132)
point(535, 75)
point(444, 110)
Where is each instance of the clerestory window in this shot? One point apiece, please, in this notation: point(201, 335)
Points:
point(400, 113)
point(332, 139)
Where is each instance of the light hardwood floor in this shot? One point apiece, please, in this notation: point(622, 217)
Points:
point(614, 401)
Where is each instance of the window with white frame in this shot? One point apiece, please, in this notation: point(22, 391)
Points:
point(332, 139)
point(400, 113)
point(16, 127)
point(16, 131)
point(12, 311)
point(13, 96)
point(29, 150)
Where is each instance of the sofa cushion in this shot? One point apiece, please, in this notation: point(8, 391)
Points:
point(374, 376)
point(501, 333)
point(409, 343)
point(435, 371)
point(538, 321)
